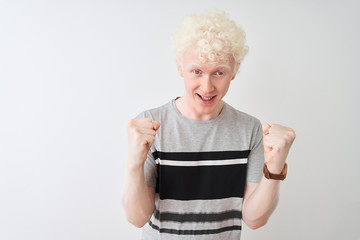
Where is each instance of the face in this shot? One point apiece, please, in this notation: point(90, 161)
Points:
point(205, 85)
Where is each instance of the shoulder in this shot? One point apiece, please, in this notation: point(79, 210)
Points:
point(155, 113)
point(233, 114)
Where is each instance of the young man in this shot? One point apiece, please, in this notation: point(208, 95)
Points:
point(195, 165)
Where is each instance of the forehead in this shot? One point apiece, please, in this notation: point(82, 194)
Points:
point(191, 58)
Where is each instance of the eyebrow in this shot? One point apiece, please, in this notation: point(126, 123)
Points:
point(223, 66)
point(194, 65)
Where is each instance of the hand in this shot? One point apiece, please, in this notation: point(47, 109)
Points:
point(277, 141)
point(141, 135)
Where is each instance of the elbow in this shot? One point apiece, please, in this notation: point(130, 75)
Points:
point(136, 222)
point(255, 226)
point(256, 223)
point(134, 217)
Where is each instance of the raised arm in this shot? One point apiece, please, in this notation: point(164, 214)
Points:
point(137, 197)
point(260, 199)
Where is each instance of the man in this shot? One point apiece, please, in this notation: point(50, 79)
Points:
point(195, 164)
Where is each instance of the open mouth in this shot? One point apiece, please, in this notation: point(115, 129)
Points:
point(206, 99)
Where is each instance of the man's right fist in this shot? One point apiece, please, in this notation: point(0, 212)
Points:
point(141, 135)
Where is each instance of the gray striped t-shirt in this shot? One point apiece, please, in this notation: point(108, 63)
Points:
point(199, 170)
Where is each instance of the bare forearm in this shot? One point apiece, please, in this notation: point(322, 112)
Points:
point(261, 203)
point(261, 199)
point(138, 198)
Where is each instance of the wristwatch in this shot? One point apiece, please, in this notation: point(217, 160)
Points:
point(273, 176)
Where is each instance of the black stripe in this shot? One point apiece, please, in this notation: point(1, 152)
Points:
point(197, 217)
point(201, 182)
point(195, 232)
point(199, 156)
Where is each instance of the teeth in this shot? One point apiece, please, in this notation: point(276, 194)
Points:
point(205, 98)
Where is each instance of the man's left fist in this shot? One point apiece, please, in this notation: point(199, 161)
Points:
point(277, 141)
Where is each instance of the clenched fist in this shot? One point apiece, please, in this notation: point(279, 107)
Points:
point(141, 135)
point(277, 141)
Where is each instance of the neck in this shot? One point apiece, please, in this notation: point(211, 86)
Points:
point(187, 110)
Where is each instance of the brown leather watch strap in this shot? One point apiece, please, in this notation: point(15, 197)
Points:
point(273, 176)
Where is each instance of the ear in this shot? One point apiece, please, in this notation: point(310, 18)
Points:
point(236, 69)
point(179, 67)
point(233, 76)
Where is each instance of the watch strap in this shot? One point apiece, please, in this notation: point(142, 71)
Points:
point(269, 175)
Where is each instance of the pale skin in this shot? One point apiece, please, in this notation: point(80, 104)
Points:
point(205, 86)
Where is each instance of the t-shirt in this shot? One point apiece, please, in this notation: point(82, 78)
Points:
point(199, 170)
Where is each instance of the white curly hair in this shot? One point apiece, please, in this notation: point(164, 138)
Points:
point(214, 36)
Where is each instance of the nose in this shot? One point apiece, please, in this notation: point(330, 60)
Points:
point(207, 85)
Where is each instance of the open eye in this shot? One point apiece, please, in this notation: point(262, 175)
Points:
point(219, 73)
point(196, 71)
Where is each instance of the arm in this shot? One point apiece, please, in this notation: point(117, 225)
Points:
point(260, 199)
point(137, 197)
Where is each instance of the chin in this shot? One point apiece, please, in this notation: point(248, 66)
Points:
point(206, 110)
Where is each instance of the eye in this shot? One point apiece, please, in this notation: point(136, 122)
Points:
point(219, 73)
point(196, 71)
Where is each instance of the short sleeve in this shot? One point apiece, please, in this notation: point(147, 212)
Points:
point(256, 157)
point(150, 168)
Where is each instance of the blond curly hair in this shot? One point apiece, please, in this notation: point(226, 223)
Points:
point(213, 35)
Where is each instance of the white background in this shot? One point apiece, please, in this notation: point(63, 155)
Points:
point(73, 72)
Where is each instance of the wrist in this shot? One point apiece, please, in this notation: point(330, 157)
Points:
point(275, 168)
point(135, 165)
point(274, 173)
